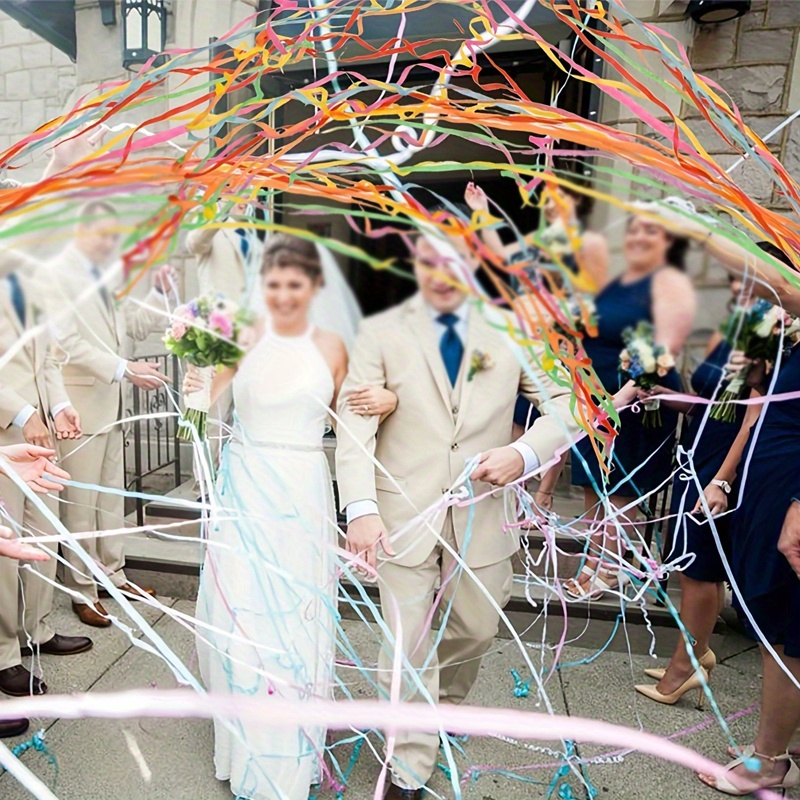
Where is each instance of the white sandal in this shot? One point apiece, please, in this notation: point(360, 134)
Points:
point(789, 780)
point(597, 585)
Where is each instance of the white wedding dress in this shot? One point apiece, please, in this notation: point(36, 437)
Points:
point(268, 587)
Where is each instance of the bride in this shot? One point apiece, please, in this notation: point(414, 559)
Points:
point(267, 601)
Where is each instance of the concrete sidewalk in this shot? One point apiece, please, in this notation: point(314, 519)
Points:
point(95, 761)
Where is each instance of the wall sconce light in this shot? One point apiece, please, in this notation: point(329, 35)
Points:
point(706, 12)
point(144, 32)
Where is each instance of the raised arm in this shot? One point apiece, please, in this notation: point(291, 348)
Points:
point(674, 308)
point(737, 259)
point(151, 315)
point(200, 240)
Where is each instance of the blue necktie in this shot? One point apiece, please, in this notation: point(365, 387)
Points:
point(244, 244)
point(98, 278)
point(451, 346)
point(17, 297)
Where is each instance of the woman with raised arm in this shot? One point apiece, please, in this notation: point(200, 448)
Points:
point(653, 288)
point(566, 209)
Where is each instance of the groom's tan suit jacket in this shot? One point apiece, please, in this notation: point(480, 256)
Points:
point(436, 428)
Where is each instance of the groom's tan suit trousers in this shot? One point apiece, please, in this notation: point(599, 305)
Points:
point(424, 446)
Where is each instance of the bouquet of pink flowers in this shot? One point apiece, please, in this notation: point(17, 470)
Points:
point(207, 332)
point(645, 362)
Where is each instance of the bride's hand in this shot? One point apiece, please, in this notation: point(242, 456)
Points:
point(372, 401)
point(193, 380)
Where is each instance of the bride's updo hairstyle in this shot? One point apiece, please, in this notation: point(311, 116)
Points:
point(283, 250)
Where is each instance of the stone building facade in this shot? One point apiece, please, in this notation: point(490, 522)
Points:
point(36, 82)
point(754, 58)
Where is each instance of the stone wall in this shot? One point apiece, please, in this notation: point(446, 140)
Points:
point(36, 81)
point(755, 60)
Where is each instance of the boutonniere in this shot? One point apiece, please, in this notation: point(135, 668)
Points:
point(479, 362)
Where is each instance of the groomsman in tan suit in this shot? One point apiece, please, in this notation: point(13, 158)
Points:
point(450, 409)
point(223, 259)
point(92, 327)
point(34, 408)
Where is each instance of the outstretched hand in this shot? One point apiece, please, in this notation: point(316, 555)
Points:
point(34, 466)
point(12, 547)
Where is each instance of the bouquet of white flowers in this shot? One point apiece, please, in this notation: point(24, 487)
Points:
point(756, 331)
point(644, 362)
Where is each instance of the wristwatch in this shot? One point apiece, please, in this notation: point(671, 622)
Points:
point(724, 485)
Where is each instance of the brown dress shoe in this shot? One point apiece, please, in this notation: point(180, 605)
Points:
point(138, 592)
point(13, 727)
point(18, 682)
point(394, 792)
point(94, 615)
point(60, 646)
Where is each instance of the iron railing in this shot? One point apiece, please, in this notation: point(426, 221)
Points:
point(151, 445)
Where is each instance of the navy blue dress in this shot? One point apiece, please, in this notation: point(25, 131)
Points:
point(693, 534)
point(620, 306)
point(771, 591)
point(525, 413)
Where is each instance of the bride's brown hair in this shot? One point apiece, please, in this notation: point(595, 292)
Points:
point(283, 250)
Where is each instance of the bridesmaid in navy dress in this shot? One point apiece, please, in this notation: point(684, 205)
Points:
point(716, 447)
point(765, 531)
point(591, 262)
point(765, 539)
point(654, 288)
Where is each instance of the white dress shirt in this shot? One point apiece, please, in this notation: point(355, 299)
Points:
point(363, 508)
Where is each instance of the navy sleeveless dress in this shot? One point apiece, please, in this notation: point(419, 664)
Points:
point(690, 533)
point(642, 457)
point(770, 590)
point(525, 413)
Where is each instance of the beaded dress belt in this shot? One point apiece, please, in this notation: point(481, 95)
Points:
point(303, 448)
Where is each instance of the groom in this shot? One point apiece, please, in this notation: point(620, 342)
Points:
point(456, 380)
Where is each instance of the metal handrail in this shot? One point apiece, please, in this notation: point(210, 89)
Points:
point(155, 446)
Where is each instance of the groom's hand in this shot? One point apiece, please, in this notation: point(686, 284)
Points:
point(364, 534)
point(499, 466)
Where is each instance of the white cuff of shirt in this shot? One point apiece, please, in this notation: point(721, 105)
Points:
point(23, 416)
point(360, 508)
point(120, 373)
point(56, 410)
point(528, 456)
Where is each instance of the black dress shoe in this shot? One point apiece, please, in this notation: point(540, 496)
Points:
point(394, 792)
point(60, 646)
point(13, 727)
point(18, 682)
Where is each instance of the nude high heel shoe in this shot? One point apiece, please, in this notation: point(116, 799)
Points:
point(707, 661)
point(693, 682)
point(723, 784)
